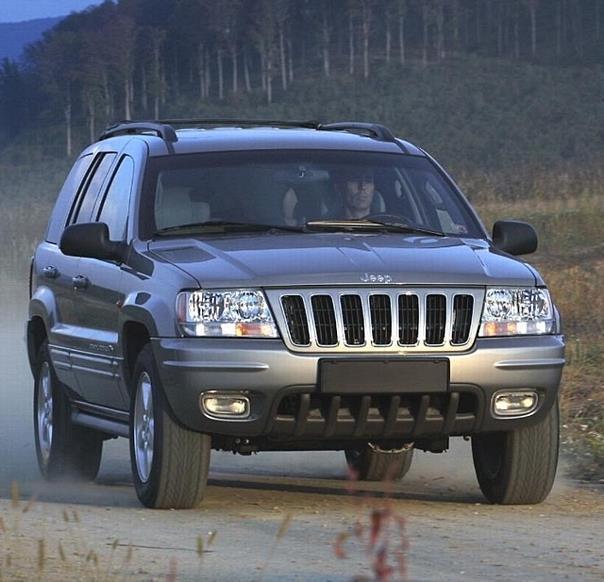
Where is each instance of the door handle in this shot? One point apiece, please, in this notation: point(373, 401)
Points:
point(80, 282)
point(50, 272)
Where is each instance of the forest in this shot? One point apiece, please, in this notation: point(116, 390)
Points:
point(149, 58)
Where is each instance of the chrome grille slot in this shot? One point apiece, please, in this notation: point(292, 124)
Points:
point(408, 319)
point(295, 312)
point(381, 319)
point(463, 306)
point(386, 320)
point(436, 318)
point(352, 317)
point(325, 320)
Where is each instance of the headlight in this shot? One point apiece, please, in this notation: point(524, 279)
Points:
point(228, 313)
point(509, 311)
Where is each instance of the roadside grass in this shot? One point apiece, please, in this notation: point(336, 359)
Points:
point(58, 552)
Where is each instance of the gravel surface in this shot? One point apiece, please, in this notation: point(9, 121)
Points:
point(276, 516)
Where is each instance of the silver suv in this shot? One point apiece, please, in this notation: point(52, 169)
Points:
point(262, 286)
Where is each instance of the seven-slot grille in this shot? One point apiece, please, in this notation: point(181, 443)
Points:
point(388, 319)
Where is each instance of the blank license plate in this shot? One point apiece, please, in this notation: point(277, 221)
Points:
point(344, 376)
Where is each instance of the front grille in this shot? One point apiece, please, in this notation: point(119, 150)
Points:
point(381, 319)
point(352, 317)
point(325, 320)
point(463, 306)
point(293, 306)
point(436, 317)
point(388, 320)
point(408, 319)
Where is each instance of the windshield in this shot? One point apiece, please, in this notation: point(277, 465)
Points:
point(293, 188)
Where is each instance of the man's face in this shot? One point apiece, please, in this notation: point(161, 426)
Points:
point(358, 194)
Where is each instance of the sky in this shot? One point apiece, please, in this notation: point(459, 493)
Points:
point(18, 10)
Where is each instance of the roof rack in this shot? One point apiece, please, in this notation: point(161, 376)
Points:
point(166, 132)
point(163, 128)
point(376, 130)
point(247, 122)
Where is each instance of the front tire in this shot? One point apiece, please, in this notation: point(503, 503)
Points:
point(373, 464)
point(170, 463)
point(518, 467)
point(64, 450)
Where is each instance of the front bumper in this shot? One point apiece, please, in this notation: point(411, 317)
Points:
point(286, 402)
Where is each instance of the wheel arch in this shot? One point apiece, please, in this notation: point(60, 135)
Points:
point(134, 337)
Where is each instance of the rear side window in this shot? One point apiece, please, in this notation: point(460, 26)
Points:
point(114, 207)
point(82, 209)
point(66, 197)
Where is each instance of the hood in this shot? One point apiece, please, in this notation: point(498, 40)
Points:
point(334, 259)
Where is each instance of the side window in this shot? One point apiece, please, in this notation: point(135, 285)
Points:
point(71, 187)
point(82, 209)
point(114, 207)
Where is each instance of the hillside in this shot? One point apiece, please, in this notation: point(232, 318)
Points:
point(15, 36)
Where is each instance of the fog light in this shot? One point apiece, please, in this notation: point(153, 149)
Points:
point(225, 405)
point(515, 403)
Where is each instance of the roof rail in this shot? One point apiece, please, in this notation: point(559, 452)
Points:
point(249, 122)
point(166, 132)
point(378, 131)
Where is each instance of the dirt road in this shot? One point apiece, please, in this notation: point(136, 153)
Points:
point(99, 531)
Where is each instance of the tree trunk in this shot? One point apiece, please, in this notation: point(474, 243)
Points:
point(499, 29)
point(325, 47)
point(127, 113)
point(532, 4)
point(351, 44)
point(366, 27)
point(246, 70)
point(144, 97)
point(235, 68)
point(282, 60)
point(440, 26)
point(269, 76)
point(263, 66)
point(208, 73)
point(201, 71)
point(401, 38)
point(559, 27)
point(219, 65)
point(578, 33)
point(290, 58)
point(478, 23)
point(516, 30)
point(107, 97)
point(91, 119)
point(68, 144)
point(425, 35)
point(388, 40)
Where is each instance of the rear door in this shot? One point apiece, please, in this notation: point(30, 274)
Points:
point(69, 338)
point(100, 300)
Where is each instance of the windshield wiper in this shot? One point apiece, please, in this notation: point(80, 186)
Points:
point(221, 226)
point(371, 224)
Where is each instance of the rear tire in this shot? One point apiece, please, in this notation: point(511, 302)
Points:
point(64, 450)
point(372, 464)
point(518, 467)
point(170, 463)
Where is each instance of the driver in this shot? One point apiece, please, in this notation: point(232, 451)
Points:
point(357, 191)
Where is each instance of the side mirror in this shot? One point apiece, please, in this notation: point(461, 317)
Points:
point(91, 240)
point(514, 237)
